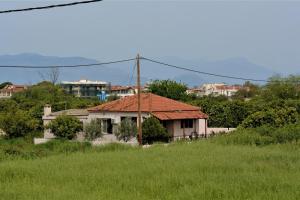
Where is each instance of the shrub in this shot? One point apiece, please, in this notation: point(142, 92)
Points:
point(153, 131)
point(244, 137)
point(277, 117)
point(65, 126)
point(287, 133)
point(93, 129)
point(17, 123)
point(126, 130)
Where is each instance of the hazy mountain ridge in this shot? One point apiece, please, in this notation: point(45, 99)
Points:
point(121, 73)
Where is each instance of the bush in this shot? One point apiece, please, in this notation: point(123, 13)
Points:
point(126, 130)
point(17, 123)
point(65, 126)
point(153, 131)
point(287, 133)
point(244, 137)
point(277, 117)
point(93, 129)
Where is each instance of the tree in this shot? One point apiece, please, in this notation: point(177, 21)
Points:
point(93, 129)
point(126, 130)
point(168, 88)
point(52, 75)
point(65, 126)
point(153, 131)
point(271, 117)
point(249, 90)
point(17, 123)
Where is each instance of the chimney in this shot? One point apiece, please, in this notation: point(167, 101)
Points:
point(47, 110)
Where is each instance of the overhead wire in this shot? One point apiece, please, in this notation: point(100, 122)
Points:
point(202, 72)
point(66, 66)
point(48, 6)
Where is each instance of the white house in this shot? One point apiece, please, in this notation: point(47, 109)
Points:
point(180, 119)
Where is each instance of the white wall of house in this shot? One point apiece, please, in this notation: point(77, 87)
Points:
point(115, 116)
point(198, 126)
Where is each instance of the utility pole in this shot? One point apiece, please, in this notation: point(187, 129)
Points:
point(139, 100)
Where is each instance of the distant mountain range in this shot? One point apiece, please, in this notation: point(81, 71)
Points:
point(121, 73)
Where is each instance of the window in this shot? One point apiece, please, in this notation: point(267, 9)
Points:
point(187, 123)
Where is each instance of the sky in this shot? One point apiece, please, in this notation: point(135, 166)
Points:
point(266, 33)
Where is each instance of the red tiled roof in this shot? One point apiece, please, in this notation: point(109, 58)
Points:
point(153, 104)
point(180, 115)
point(13, 88)
point(119, 87)
point(228, 87)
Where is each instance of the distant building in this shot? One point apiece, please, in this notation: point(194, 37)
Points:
point(215, 89)
point(85, 88)
point(9, 90)
point(123, 91)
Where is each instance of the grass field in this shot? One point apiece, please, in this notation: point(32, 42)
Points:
point(197, 170)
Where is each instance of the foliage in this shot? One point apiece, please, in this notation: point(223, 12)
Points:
point(126, 130)
point(113, 97)
point(93, 129)
point(168, 88)
point(17, 123)
point(65, 126)
point(262, 135)
point(153, 131)
point(272, 117)
point(249, 90)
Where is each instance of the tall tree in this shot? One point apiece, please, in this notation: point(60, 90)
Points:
point(168, 88)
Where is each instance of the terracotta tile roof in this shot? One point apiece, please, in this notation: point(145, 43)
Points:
point(119, 87)
point(14, 88)
point(180, 115)
point(228, 87)
point(150, 103)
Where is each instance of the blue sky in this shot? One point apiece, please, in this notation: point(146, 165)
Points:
point(266, 33)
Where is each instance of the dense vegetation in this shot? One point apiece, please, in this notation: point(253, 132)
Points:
point(197, 170)
point(276, 103)
point(26, 108)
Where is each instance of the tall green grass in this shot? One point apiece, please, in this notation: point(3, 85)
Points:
point(196, 170)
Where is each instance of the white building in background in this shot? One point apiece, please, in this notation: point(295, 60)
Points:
point(85, 88)
point(215, 89)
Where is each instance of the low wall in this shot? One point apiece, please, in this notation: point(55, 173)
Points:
point(212, 130)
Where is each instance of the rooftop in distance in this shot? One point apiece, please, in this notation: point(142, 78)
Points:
point(83, 82)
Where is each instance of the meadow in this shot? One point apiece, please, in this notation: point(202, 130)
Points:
point(184, 170)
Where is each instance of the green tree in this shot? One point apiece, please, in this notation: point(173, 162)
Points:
point(249, 90)
point(271, 117)
point(65, 126)
point(17, 123)
point(93, 129)
point(168, 88)
point(153, 131)
point(126, 130)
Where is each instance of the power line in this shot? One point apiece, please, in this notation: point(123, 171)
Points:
point(67, 66)
point(133, 70)
point(201, 72)
point(49, 6)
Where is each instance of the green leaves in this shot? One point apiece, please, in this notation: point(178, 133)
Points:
point(168, 88)
point(65, 126)
point(126, 130)
point(153, 131)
